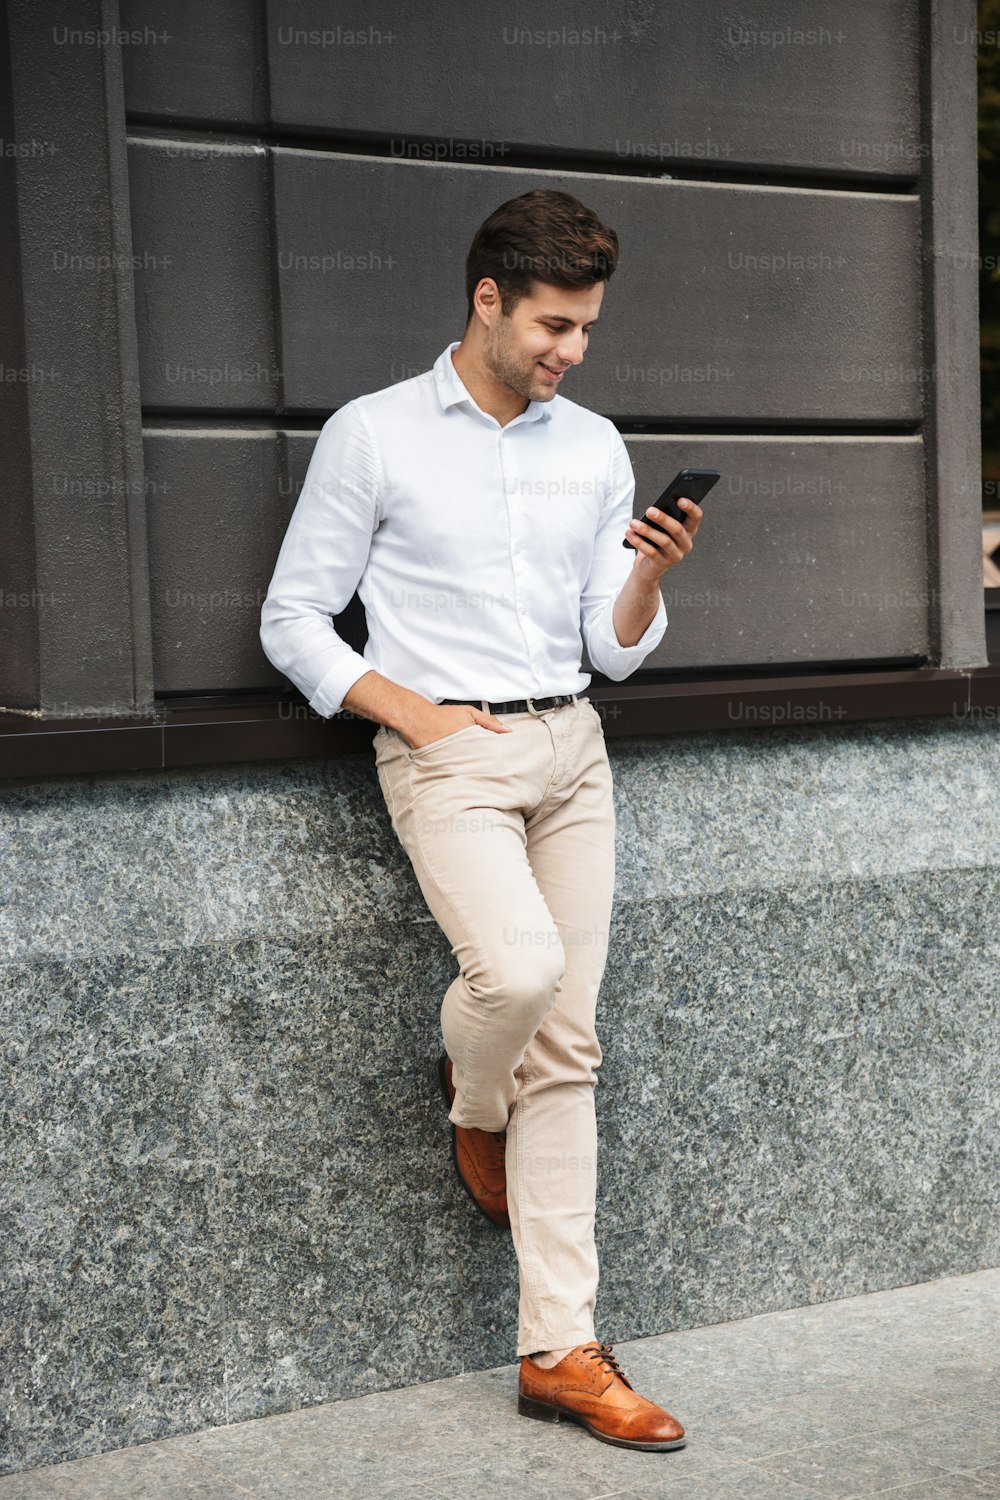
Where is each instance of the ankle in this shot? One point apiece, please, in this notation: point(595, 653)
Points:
point(546, 1358)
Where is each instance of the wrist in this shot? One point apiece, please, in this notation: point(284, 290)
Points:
point(646, 591)
point(408, 713)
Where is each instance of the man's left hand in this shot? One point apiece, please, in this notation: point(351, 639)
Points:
point(656, 551)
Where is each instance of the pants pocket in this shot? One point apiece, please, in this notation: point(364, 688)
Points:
point(422, 750)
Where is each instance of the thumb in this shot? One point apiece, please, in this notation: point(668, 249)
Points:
point(490, 721)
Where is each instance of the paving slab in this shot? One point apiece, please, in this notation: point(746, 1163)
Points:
point(893, 1394)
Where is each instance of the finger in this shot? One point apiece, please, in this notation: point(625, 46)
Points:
point(490, 721)
point(667, 523)
point(662, 539)
point(659, 548)
point(682, 539)
point(694, 513)
point(677, 530)
point(674, 544)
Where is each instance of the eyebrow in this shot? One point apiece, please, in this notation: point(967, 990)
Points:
point(558, 318)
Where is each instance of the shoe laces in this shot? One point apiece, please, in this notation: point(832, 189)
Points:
point(604, 1354)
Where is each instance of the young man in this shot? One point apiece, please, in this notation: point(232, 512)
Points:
point(480, 514)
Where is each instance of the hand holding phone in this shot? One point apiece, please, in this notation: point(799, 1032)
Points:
point(693, 483)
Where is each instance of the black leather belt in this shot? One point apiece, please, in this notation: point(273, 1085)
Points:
point(515, 705)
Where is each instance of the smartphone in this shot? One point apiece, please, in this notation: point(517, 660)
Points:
point(694, 483)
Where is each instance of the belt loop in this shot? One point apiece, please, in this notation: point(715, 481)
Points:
point(485, 703)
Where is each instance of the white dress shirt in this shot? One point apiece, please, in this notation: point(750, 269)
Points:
point(486, 557)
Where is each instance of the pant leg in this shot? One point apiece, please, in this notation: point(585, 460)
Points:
point(487, 821)
point(457, 807)
point(552, 1134)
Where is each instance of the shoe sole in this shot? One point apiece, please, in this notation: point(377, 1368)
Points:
point(543, 1413)
point(443, 1080)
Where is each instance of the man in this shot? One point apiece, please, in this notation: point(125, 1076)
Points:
point(480, 515)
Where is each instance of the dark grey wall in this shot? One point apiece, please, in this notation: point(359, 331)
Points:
point(796, 299)
point(74, 537)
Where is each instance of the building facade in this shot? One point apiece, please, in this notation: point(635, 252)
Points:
point(229, 1187)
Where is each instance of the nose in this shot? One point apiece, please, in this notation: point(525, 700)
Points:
point(570, 348)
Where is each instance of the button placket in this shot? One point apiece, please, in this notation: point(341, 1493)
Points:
point(509, 474)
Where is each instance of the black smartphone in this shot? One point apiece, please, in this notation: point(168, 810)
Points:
point(694, 483)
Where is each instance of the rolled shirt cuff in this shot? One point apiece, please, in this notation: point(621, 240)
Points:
point(337, 682)
point(607, 653)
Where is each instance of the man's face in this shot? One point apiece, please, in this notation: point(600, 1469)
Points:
point(545, 334)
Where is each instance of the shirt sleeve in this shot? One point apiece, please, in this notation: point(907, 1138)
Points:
point(610, 566)
point(322, 557)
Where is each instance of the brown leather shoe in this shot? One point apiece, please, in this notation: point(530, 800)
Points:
point(588, 1386)
point(479, 1157)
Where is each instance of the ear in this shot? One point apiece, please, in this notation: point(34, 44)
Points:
point(486, 299)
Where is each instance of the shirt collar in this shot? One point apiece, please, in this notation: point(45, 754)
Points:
point(451, 389)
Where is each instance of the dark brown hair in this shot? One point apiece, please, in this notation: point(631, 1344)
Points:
point(544, 235)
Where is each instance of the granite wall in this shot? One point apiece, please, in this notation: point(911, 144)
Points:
point(228, 1188)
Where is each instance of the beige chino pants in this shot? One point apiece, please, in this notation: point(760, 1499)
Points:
point(511, 838)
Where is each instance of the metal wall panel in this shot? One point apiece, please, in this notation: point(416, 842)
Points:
point(75, 576)
point(192, 60)
point(831, 92)
point(831, 87)
point(730, 301)
point(289, 275)
point(20, 653)
point(813, 549)
point(204, 307)
point(215, 520)
point(950, 303)
point(371, 274)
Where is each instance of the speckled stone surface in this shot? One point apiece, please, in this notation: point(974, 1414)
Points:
point(228, 1189)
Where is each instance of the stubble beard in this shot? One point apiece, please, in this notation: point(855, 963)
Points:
point(513, 367)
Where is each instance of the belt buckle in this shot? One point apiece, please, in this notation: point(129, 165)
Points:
point(540, 713)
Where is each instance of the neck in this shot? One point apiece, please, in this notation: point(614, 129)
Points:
point(489, 394)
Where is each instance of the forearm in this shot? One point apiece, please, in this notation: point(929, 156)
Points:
point(376, 697)
point(634, 609)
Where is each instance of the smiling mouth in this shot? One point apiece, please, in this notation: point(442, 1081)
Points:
point(554, 374)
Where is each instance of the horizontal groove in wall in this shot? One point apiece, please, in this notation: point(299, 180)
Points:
point(813, 179)
point(762, 671)
point(805, 669)
point(751, 428)
point(193, 420)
